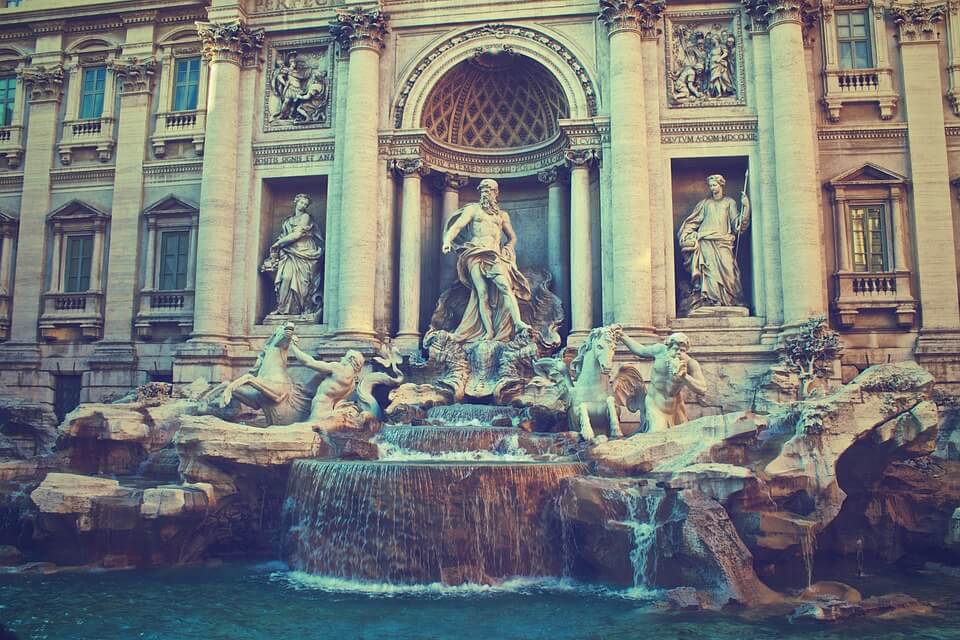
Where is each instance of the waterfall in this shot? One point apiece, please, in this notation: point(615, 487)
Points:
point(473, 415)
point(808, 548)
point(435, 522)
point(405, 442)
point(642, 521)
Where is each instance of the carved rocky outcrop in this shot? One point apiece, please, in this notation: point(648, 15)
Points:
point(26, 429)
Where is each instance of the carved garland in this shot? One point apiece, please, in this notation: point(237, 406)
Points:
point(497, 30)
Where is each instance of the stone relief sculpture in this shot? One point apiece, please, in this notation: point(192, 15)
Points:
point(298, 89)
point(709, 238)
point(703, 59)
point(295, 261)
point(672, 372)
point(488, 268)
point(592, 400)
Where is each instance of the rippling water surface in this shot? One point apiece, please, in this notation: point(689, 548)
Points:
point(265, 601)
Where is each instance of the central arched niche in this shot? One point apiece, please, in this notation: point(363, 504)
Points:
point(495, 101)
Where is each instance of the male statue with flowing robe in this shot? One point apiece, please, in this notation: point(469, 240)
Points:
point(708, 239)
point(487, 266)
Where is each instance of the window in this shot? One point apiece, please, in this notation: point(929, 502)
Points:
point(174, 253)
point(13, 3)
point(853, 40)
point(66, 393)
point(91, 92)
point(868, 234)
point(77, 272)
point(186, 84)
point(8, 88)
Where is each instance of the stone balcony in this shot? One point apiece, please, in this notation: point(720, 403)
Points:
point(63, 312)
point(164, 308)
point(884, 291)
point(173, 126)
point(843, 86)
point(11, 144)
point(96, 133)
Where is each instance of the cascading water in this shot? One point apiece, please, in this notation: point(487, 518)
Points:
point(456, 415)
point(642, 510)
point(405, 442)
point(430, 522)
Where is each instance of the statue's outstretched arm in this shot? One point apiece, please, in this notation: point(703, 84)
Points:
point(639, 349)
point(458, 221)
point(310, 361)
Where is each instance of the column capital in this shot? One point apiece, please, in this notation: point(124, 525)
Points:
point(640, 16)
point(46, 82)
point(767, 14)
point(136, 74)
point(409, 166)
point(576, 158)
point(232, 42)
point(550, 176)
point(360, 28)
point(451, 181)
point(917, 22)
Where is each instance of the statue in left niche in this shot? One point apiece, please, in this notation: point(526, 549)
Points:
point(295, 261)
point(298, 91)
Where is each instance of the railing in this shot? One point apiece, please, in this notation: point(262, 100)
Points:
point(5, 135)
point(181, 120)
point(874, 284)
point(74, 302)
point(884, 291)
point(87, 128)
point(166, 301)
point(858, 81)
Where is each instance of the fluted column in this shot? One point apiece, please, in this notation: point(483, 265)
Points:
point(798, 193)
point(361, 32)
point(626, 22)
point(135, 76)
point(581, 242)
point(936, 260)
point(6, 251)
point(226, 47)
point(450, 185)
point(44, 85)
point(558, 236)
point(411, 171)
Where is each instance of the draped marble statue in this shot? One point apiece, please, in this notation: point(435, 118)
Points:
point(708, 242)
point(487, 266)
point(294, 260)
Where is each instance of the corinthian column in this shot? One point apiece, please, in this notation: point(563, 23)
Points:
point(227, 47)
point(558, 237)
point(450, 185)
point(581, 242)
point(798, 193)
point(627, 21)
point(935, 232)
point(411, 170)
point(361, 32)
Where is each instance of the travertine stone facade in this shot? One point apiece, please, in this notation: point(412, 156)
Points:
point(152, 151)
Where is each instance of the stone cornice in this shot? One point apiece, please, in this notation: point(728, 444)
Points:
point(708, 131)
point(96, 175)
point(360, 29)
point(917, 22)
point(46, 83)
point(232, 42)
point(139, 17)
point(641, 16)
point(47, 26)
point(136, 74)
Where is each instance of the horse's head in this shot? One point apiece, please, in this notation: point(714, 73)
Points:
point(600, 347)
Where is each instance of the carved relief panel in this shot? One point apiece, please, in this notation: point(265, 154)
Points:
point(298, 92)
point(704, 58)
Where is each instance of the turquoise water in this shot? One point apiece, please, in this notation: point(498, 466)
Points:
point(247, 602)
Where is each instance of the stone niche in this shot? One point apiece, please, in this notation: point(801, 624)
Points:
point(689, 185)
point(277, 203)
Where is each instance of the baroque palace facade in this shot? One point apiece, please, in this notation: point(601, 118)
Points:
point(154, 155)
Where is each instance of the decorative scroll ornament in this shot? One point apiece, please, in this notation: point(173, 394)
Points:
point(451, 181)
point(360, 28)
point(632, 15)
point(581, 157)
point(549, 176)
point(231, 42)
point(409, 166)
point(46, 83)
point(917, 22)
point(136, 74)
point(769, 13)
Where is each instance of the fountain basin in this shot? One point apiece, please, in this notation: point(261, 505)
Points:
point(425, 522)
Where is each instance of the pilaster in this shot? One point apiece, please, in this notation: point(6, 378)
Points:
point(581, 241)
point(558, 231)
point(411, 171)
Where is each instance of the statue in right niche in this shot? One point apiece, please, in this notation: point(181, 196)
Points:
point(709, 239)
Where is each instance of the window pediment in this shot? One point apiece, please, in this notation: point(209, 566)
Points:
point(170, 206)
point(77, 211)
point(867, 175)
